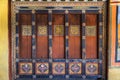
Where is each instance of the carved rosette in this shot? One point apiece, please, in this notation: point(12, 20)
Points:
point(74, 30)
point(74, 68)
point(42, 30)
point(58, 68)
point(42, 68)
point(26, 30)
point(25, 68)
point(58, 30)
point(92, 68)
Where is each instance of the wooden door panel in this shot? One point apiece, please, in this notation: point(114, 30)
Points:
point(58, 36)
point(42, 38)
point(91, 36)
point(25, 36)
point(74, 36)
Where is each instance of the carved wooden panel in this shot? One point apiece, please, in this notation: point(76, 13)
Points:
point(42, 30)
point(91, 36)
point(90, 30)
point(25, 29)
point(42, 35)
point(58, 30)
point(58, 36)
point(74, 36)
point(75, 30)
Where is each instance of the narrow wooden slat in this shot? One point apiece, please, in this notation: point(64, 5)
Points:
point(25, 41)
point(91, 40)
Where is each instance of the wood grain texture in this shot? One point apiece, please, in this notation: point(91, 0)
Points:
point(58, 41)
point(42, 41)
point(91, 41)
point(25, 41)
point(74, 41)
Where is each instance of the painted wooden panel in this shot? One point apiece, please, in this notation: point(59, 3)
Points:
point(42, 38)
point(91, 36)
point(58, 36)
point(25, 35)
point(74, 36)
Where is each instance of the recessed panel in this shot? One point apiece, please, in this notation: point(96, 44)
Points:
point(74, 36)
point(58, 36)
point(91, 36)
point(25, 29)
point(42, 35)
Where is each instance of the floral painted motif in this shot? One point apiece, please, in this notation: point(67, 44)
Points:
point(75, 68)
point(42, 30)
point(26, 68)
point(59, 30)
point(42, 68)
point(92, 68)
point(75, 30)
point(59, 68)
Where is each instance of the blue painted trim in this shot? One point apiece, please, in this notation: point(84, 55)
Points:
point(58, 11)
point(25, 76)
point(100, 18)
point(59, 60)
point(41, 11)
point(42, 76)
point(25, 60)
point(59, 76)
point(66, 34)
point(33, 39)
point(75, 60)
point(42, 60)
point(75, 11)
point(100, 67)
point(50, 40)
point(84, 68)
point(50, 32)
point(92, 11)
point(100, 33)
point(17, 68)
point(75, 76)
point(83, 34)
point(33, 70)
point(25, 11)
point(17, 17)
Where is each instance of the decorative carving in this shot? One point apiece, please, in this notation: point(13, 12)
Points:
point(58, 68)
point(58, 30)
point(74, 30)
point(35, 5)
point(26, 30)
point(42, 68)
point(90, 30)
point(42, 30)
point(25, 68)
point(74, 68)
point(92, 68)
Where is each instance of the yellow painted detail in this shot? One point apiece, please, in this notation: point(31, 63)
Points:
point(4, 40)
